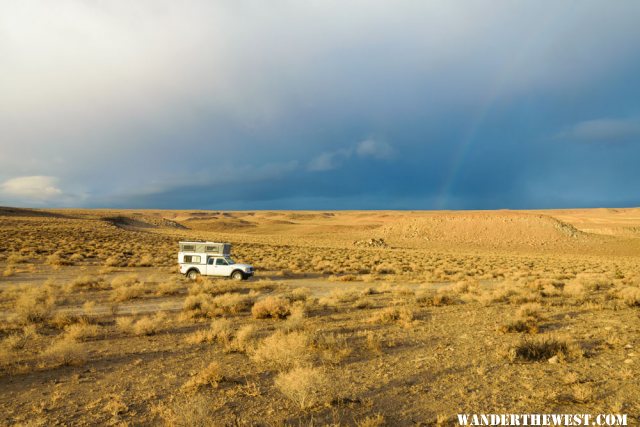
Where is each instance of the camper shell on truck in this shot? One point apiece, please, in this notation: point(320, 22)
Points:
point(210, 259)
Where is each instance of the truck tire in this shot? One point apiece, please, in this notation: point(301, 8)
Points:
point(193, 274)
point(237, 275)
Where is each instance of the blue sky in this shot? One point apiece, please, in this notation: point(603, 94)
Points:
point(320, 104)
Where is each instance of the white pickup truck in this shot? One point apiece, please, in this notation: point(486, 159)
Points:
point(210, 259)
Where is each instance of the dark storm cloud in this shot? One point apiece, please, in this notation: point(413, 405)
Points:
point(225, 104)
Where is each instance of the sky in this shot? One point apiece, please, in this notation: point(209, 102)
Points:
point(227, 104)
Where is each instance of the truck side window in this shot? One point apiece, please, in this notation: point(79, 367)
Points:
point(210, 261)
point(221, 261)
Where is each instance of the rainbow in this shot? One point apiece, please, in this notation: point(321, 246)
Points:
point(503, 79)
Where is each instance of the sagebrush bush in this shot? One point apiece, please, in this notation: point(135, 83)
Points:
point(16, 258)
point(62, 319)
point(65, 351)
point(145, 261)
point(403, 314)
point(522, 326)
point(220, 331)
point(443, 298)
point(204, 305)
point(168, 288)
point(371, 421)
point(630, 295)
point(124, 323)
point(233, 303)
point(34, 306)
point(283, 350)
point(271, 307)
point(197, 302)
point(299, 294)
point(332, 347)
point(246, 338)
point(113, 261)
point(82, 331)
point(124, 280)
point(57, 259)
point(145, 325)
point(149, 325)
point(362, 303)
point(530, 311)
point(543, 348)
point(297, 315)
point(15, 342)
point(209, 376)
point(343, 296)
point(575, 289)
point(126, 289)
point(304, 385)
point(189, 410)
point(86, 282)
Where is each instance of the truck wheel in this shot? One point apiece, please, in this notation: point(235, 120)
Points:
point(237, 275)
point(193, 274)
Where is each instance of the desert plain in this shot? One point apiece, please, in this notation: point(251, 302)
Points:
point(364, 318)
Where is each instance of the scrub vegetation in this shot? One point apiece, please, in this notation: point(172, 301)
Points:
point(353, 318)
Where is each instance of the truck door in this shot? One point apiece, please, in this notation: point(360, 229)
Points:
point(211, 267)
point(222, 267)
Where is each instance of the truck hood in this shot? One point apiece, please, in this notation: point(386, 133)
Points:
point(241, 266)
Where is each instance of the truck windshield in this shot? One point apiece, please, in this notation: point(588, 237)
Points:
point(230, 261)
